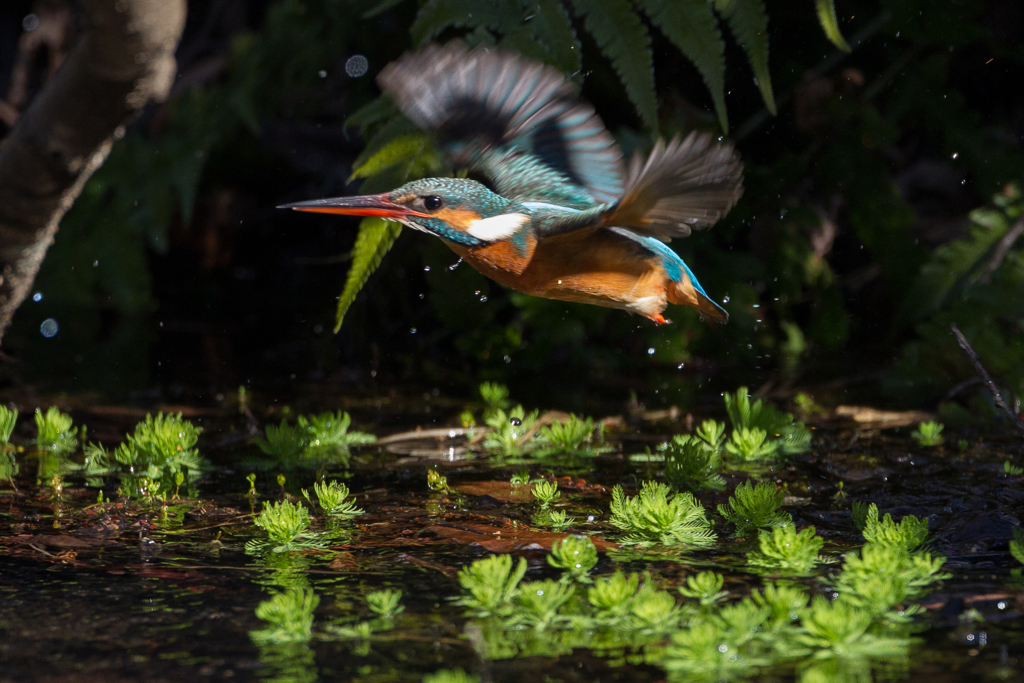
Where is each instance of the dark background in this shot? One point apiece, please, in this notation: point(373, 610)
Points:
point(175, 277)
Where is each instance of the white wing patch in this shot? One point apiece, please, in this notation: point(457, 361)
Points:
point(497, 228)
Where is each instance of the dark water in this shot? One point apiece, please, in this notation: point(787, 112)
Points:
point(130, 590)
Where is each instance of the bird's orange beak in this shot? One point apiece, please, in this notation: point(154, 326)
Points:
point(365, 205)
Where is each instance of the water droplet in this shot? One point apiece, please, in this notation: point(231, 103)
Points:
point(412, 331)
point(38, 296)
point(650, 351)
point(590, 518)
point(507, 359)
point(323, 74)
point(49, 328)
point(726, 299)
point(30, 22)
point(483, 299)
point(680, 366)
point(356, 66)
point(723, 648)
point(956, 154)
point(426, 269)
point(95, 263)
point(515, 421)
point(455, 265)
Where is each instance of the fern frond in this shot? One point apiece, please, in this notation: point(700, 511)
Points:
point(400, 149)
point(748, 21)
point(376, 236)
point(829, 23)
point(692, 27)
point(623, 38)
point(552, 29)
point(437, 15)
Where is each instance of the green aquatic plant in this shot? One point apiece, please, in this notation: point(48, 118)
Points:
point(691, 464)
point(286, 525)
point(333, 499)
point(784, 602)
point(719, 647)
point(1017, 544)
point(491, 583)
point(161, 447)
point(437, 481)
point(576, 555)
point(611, 595)
point(511, 432)
point(520, 478)
point(574, 436)
point(751, 445)
point(8, 419)
point(451, 676)
point(755, 507)
point(558, 520)
point(784, 549)
point(840, 630)
point(55, 431)
point(712, 433)
point(546, 492)
point(538, 603)
point(655, 516)
point(1012, 470)
point(909, 534)
point(495, 397)
point(780, 428)
point(290, 615)
point(385, 603)
point(859, 514)
point(928, 434)
point(704, 587)
point(877, 573)
point(313, 440)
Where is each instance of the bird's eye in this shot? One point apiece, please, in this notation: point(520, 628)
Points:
point(433, 202)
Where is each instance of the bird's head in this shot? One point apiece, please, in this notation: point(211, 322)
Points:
point(457, 209)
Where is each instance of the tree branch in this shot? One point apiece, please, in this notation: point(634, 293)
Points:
point(123, 59)
point(997, 396)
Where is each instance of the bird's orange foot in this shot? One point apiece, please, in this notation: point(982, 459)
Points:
point(659, 319)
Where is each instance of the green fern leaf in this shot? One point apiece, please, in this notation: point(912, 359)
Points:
point(552, 28)
point(748, 21)
point(376, 236)
point(379, 110)
point(437, 15)
point(827, 17)
point(693, 28)
point(403, 148)
point(623, 38)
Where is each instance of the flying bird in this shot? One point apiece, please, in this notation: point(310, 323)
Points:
point(563, 217)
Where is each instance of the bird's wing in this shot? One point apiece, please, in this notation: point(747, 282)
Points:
point(682, 186)
point(517, 121)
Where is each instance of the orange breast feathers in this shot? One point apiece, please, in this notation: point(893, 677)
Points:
point(588, 266)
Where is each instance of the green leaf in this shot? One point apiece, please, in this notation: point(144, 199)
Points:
point(748, 21)
point(437, 15)
point(400, 149)
point(552, 28)
point(827, 17)
point(380, 109)
point(376, 236)
point(381, 6)
point(693, 28)
point(623, 38)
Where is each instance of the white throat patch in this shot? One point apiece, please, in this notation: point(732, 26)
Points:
point(497, 228)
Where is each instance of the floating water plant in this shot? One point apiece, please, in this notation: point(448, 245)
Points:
point(437, 481)
point(574, 437)
point(928, 434)
point(451, 676)
point(752, 444)
point(704, 587)
point(755, 507)
point(546, 492)
point(385, 603)
point(495, 397)
point(8, 419)
point(556, 519)
point(55, 431)
point(576, 555)
point(511, 432)
point(520, 478)
point(1017, 544)
point(655, 516)
point(333, 499)
point(909, 534)
point(286, 525)
point(491, 583)
point(1012, 470)
point(879, 576)
point(692, 464)
point(537, 603)
point(313, 440)
point(712, 433)
point(779, 427)
point(785, 549)
point(290, 615)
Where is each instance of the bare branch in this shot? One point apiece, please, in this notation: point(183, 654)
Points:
point(123, 59)
point(997, 396)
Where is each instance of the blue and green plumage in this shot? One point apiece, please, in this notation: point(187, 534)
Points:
point(563, 217)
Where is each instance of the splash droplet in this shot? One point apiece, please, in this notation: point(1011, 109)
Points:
point(49, 328)
point(356, 66)
point(38, 296)
point(515, 421)
point(650, 351)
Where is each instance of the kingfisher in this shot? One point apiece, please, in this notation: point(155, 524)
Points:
point(561, 216)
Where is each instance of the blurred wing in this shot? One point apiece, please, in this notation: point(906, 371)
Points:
point(683, 186)
point(517, 121)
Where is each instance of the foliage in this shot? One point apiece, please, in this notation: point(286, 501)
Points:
point(451, 676)
point(314, 440)
point(576, 555)
point(755, 507)
point(1017, 544)
point(538, 603)
point(520, 478)
point(546, 492)
point(332, 498)
point(437, 481)
point(878, 572)
point(928, 434)
point(511, 433)
point(286, 524)
point(909, 534)
point(290, 615)
point(8, 419)
point(385, 603)
point(162, 448)
point(712, 433)
point(784, 549)
point(751, 418)
point(692, 464)
point(575, 436)
point(55, 431)
point(558, 520)
point(751, 445)
point(1011, 469)
point(494, 396)
point(491, 583)
point(705, 587)
point(655, 516)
